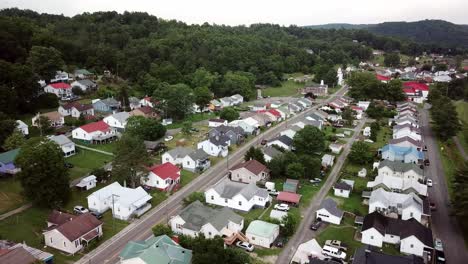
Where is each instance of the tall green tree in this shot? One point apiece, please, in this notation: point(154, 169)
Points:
point(309, 140)
point(360, 153)
point(312, 166)
point(348, 116)
point(187, 127)
point(394, 91)
point(7, 127)
point(238, 83)
point(45, 61)
point(43, 175)
point(130, 161)
point(255, 154)
point(392, 59)
point(460, 191)
point(203, 78)
point(445, 118)
point(295, 170)
point(229, 114)
point(145, 128)
point(203, 96)
point(176, 100)
point(15, 140)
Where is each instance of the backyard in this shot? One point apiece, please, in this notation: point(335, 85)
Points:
point(192, 118)
point(84, 161)
point(287, 88)
point(10, 193)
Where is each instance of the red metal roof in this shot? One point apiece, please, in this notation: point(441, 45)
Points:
point(166, 170)
point(288, 197)
point(416, 86)
point(96, 126)
point(357, 108)
point(382, 78)
point(274, 112)
point(60, 85)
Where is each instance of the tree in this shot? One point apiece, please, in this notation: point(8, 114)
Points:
point(360, 153)
point(289, 225)
point(393, 90)
point(195, 196)
point(238, 83)
point(312, 166)
point(100, 173)
point(348, 115)
point(130, 160)
point(76, 90)
point(392, 59)
point(45, 61)
point(145, 128)
point(162, 229)
point(203, 96)
point(203, 78)
point(187, 128)
point(295, 170)
point(445, 117)
point(375, 128)
point(15, 140)
point(43, 123)
point(176, 100)
point(309, 140)
point(123, 98)
point(364, 86)
point(229, 114)
point(276, 167)
point(255, 154)
point(460, 191)
point(7, 126)
point(43, 176)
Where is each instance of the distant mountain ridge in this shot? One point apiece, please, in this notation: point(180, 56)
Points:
point(429, 31)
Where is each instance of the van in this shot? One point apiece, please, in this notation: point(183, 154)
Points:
point(333, 252)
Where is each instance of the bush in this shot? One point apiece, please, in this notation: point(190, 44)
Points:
point(162, 229)
point(76, 90)
point(47, 100)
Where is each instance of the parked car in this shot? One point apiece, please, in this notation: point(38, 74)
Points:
point(429, 182)
point(316, 180)
point(245, 245)
point(440, 257)
point(316, 225)
point(282, 207)
point(96, 214)
point(336, 244)
point(168, 138)
point(80, 209)
point(331, 260)
point(333, 252)
point(273, 192)
point(264, 142)
point(425, 148)
point(432, 206)
point(280, 242)
point(194, 129)
point(68, 165)
point(427, 162)
point(438, 244)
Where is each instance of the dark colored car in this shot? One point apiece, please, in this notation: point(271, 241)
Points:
point(440, 257)
point(280, 242)
point(264, 141)
point(96, 214)
point(432, 206)
point(68, 165)
point(315, 225)
point(427, 162)
point(194, 129)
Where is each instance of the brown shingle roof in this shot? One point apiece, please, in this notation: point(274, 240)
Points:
point(79, 226)
point(16, 256)
point(59, 218)
point(252, 165)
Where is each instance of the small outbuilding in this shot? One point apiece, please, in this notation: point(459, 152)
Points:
point(288, 197)
point(278, 215)
point(343, 188)
point(328, 160)
point(261, 233)
point(87, 183)
point(290, 185)
point(306, 251)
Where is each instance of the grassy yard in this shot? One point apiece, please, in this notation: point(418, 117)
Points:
point(383, 137)
point(187, 177)
point(110, 147)
point(192, 118)
point(343, 233)
point(85, 161)
point(287, 88)
point(10, 193)
point(451, 158)
point(190, 140)
point(462, 109)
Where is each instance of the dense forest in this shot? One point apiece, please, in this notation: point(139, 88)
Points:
point(151, 53)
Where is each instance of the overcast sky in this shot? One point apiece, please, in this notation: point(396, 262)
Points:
point(284, 12)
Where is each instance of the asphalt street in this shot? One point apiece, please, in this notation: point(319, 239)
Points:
point(140, 229)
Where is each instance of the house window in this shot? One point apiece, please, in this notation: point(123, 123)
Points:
point(371, 237)
point(411, 214)
point(253, 238)
point(178, 226)
point(411, 246)
point(209, 233)
point(157, 182)
point(188, 162)
point(64, 244)
point(77, 242)
point(240, 203)
point(341, 191)
point(212, 197)
point(51, 240)
point(225, 200)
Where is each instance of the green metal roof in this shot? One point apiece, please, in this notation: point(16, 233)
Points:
point(261, 228)
point(83, 71)
point(156, 250)
point(9, 156)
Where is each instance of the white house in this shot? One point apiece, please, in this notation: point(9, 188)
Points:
point(117, 121)
point(407, 142)
point(261, 233)
point(364, 104)
point(122, 201)
point(87, 183)
point(67, 146)
point(291, 131)
point(396, 204)
point(85, 85)
point(367, 132)
point(197, 218)
point(75, 109)
point(336, 148)
point(162, 177)
point(71, 233)
point(226, 101)
point(278, 215)
point(406, 131)
point(238, 196)
point(398, 184)
point(62, 90)
point(55, 119)
point(22, 127)
point(343, 188)
point(328, 160)
point(215, 146)
point(412, 236)
point(406, 171)
point(283, 141)
point(216, 122)
point(147, 101)
point(247, 127)
point(97, 132)
point(197, 160)
point(329, 212)
point(176, 155)
point(237, 99)
point(250, 171)
point(270, 152)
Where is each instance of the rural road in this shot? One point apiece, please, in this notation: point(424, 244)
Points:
point(444, 226)
point(304, 233)
point(140, 229)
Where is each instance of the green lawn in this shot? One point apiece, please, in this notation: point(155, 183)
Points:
point(287, 88)
point(383, 137)
point(343, 233)
point(451, 158)
point(10, 193)
point(192, 118)
point(187, 177)
point(85, 161)
point(462, 109)
point(110, 147)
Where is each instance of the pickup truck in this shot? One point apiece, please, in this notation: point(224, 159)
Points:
point(337, 244)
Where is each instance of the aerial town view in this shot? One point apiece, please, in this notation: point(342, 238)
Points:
point(245, 132)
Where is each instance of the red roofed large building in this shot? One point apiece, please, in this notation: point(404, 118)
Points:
point(163, 176)
point(71, 233)
point(94, 133)
point(415, 91)
point(276, 113)
point(383, 78)
point(249, 171)
point(62, 90)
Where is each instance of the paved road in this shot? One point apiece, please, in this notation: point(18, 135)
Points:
point(140, 229)
point(444, 226)
point(304, 233)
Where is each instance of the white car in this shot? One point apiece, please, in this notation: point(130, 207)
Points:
point(80, 209)
point(245, 245)
point(282, 207)
point(316, 180)
point(429, 182)
point(438, 244)
point(168, 138)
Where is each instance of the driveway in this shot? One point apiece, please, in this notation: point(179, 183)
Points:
point(444, 226)
point(140, 229)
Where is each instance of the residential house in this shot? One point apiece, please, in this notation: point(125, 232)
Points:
point(134, 103)
point(283, 141)
point(215, 105)
point(284, 111)
point(278, 215)
point(261, 233)
point(7, 162)
point(291, 131)
point(147, 101)
point(108, 105)
point(55, 119)
point(412, 237)
point(304, 102)
point(83, 74)
point(94, 133)
point(248, 128)
point(397, 204)
point(288, 198)
point(237, 195)
point(307, 251)
point(405, 120)
point(196, 161)
point(22, 127)
point(316, 90)
point(124, 202)
point(87, 183)
point(363, 104)
point(250, 171)
point(383, 78)
point(176, 155)
point(406, 130)
point(163, 177)
point(60, 76)
point(226, 102)
point(263, 118)
point(259, 107)
point(270, 152)
point(237, 99)
point(75, 109)
point(370, 255)
point(236, 134)
point(252, 122)
point(62, 90)
point(216, 122)
point(215, 146)
point(406, 171)
point(336, 148)
point(67, 146)
point(11, 253)
point(85, 85)
point(71, 233)
point(398, 184)
point(160, 249)
point(328, 160)
point(117, 121)
point(366, 132)
point(144, 111)
point(290, 185)
point(343, 188)
point(403, 154)
point(197, 218)
point(329, 212)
